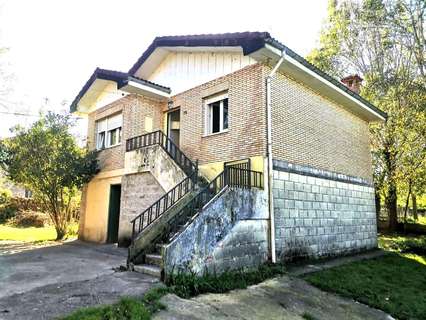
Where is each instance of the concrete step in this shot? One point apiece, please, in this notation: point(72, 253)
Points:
point(154, 259)
point(148, 269)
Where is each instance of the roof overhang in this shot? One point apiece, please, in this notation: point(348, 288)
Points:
point(115, 85)
point(301, 70)
point(161, 46)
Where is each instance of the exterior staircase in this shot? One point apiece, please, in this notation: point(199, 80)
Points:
point(159, 224)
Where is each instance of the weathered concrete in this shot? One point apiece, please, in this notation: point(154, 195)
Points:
point(229, 233)
point(138, 192)
point(145, 242)
point(43, 283)
point(155, 160)
point(317, 217)
point(281, 298)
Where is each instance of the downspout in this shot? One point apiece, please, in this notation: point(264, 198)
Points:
point(269, 156)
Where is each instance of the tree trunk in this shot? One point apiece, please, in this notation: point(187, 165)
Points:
point(414, 201)
point(407, 202)
point(378, 204)
point(60, 232)
point(391, 205)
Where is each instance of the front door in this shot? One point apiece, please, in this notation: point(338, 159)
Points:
point(173, 126)
point(113, 213)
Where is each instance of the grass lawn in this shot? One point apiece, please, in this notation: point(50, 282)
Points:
point(28, 234)
point(394, 283)
point(33, 234)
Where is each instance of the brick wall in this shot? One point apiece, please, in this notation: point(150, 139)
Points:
point(246, 134)
point(135, 109)
point(309, 129)
point(317, 217)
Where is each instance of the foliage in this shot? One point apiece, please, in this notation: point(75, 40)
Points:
point(404, 244)
point(391, 283)
point(7, 211)
point(5, 195)
point(47, 160)
point(384, 41)
point(183, 285)
point(125, 309)
point(188, 285)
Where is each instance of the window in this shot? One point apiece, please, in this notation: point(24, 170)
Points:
point(216, 114)
point(108, 131)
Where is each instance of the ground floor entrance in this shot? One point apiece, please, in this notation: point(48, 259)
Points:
point(114, 213)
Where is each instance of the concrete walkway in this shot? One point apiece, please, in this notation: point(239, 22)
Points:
point(46, 282)
point(287, 297)
point(281, 299)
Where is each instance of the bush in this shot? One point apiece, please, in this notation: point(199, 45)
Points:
point(5, 195)
point(7, 212)
point(30, 219)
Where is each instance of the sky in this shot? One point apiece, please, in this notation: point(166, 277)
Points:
point(55, 45)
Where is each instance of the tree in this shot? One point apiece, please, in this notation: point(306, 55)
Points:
point(384, 42)
point(46, 159)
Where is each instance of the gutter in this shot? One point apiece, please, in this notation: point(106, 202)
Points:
point(269, 156)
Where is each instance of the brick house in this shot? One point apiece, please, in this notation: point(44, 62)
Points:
point(224, 151)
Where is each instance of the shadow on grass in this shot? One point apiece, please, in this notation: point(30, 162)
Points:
point(392, 283)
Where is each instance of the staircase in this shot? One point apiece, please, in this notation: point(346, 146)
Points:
point(159, 224)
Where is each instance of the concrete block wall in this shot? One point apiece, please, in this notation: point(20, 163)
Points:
point(318, 217)
point(230, 233)
point(138, 192)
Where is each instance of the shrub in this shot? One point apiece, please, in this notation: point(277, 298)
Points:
point(30, 219)
point(7, 212)
point(5, 195)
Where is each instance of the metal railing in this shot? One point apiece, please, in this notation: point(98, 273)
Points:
point(157, 209)
point(230, 176)
point(158, 137)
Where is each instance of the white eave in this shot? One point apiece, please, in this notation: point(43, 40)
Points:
point(313, 80)
point(145, 90)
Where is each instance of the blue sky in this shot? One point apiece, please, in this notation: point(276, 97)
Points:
point(54, 45)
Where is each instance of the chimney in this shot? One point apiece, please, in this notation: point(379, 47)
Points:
point(353, 82)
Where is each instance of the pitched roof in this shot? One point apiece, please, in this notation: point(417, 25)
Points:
point(337, 83)
point(249, 41)
point(121, 78)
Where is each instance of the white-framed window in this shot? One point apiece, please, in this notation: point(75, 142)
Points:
point(108, 131)
point(216, 114)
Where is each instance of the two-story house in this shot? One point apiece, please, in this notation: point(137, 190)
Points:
point(223, 151)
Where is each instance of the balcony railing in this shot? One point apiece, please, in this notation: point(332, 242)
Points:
point(159, 138)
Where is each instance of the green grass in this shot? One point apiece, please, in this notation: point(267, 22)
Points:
point(29, 234)
point(393, 283)
point(33, 234)
point(183, 285)
point(420, 220)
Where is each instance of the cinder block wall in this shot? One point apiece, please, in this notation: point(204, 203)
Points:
point(138, 192)
point(317, 216)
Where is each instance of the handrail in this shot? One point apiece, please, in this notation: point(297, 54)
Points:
point(156, 210)
point(158, 137)
point(230, 176)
